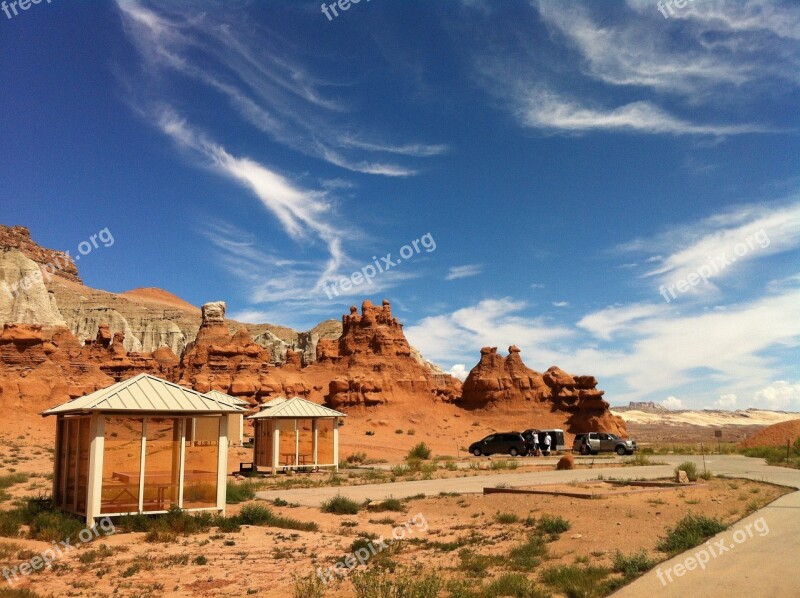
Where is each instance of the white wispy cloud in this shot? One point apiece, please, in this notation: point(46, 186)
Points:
point(560, 303)
point(265, 85)
point(544, 109)
point(699, 75)
point(672, 403)
point(719, 245)
point(464, 271)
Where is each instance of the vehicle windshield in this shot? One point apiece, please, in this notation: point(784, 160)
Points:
point(613, 437)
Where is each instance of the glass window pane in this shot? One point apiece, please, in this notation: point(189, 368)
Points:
point(200, 471)
point(287, 442)
point(306, 449)
point(162, 463)
point(325, 441)
point(121, 464)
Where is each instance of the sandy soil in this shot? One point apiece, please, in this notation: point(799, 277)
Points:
point(264, 561)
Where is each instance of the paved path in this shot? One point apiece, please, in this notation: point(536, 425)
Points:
point(760, 555)
point(733, 465)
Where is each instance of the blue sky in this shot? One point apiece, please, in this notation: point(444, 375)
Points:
point(612, 190)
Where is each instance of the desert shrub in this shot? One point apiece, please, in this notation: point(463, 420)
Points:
point(553, 525)
point(632, 566)
point(279, 502)
point(476, 564)
point(690, 468)
point(390, 504)
point(255, 515)
point(378, 583)
point(689, 532)
point(228, 525)
point(419, 451)
point(54, 526)
point(90, 556)
point(506, 518)
point(512, 584)
point(526, 556)
point(577, 582)
point(10, 522)
point(135, 523)
point(11, 479)
point(706, 475)
point(310, 586)
point(236, 493)
point(340, 505)
point(637, 460)
point(356, 458)
point(160, 536)
point(200, 560)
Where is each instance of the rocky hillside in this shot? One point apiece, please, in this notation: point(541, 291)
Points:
point(42, 286)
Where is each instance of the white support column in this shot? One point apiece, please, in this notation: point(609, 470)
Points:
point(297, 442)
point(182, 464)
point(95, 479)
point(315, 441)
point(336, 444)
point(142, 465)
point(222, 464)
point(276, 445)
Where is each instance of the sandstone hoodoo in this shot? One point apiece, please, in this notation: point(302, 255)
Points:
point(217, 360)
point(375, 364)
point(500, 383)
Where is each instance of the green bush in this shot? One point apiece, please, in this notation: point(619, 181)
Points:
point(236, 493)
point(255, 515)
point(310, 586)
point(54, 526)
point(632, 566)
point(577, 582)
point(419, 451)
point(390, 504)
point(548, 524)
point(10, 522)
point(378, 583)
point(512, 584)
point(228, 525)
point(690, 468)
point(340, 505)
point(689, 532)
point(527, 556)
point(506, 518)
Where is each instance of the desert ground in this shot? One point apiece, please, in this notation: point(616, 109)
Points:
point(484, 544)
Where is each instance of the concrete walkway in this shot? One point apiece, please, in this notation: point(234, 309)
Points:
point(733, 465)
point(757, 556)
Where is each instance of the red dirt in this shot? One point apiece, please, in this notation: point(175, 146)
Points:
point(775, 435)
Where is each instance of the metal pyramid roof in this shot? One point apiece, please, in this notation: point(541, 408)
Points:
point(294, 408)
point(145, 394)
point(226, 398)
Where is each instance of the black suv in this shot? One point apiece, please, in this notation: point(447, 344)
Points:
point(509, 443)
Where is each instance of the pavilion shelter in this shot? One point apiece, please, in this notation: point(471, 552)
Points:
point(296, 433)
point(235, 420)
point(143, 445)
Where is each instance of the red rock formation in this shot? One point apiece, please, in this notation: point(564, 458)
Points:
point(373, 364)
point(217, 360)
point(58, 262)
point(508, 384)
